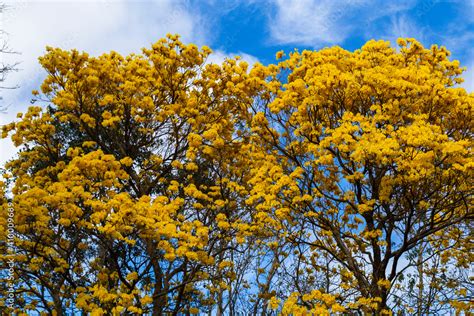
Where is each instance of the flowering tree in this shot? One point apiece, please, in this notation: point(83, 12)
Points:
point(124, 187)
point(157, 183)
point(367, 158)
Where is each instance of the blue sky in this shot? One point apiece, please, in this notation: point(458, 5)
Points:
point(253, 29)
point(260, 28)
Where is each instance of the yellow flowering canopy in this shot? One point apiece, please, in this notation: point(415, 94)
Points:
point(125, 188)
point(330, 182)
point(367, 170)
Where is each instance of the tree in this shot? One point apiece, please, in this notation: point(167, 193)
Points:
point(158, 183)
point(124, 190)
point(5, 68)
point(368, 157)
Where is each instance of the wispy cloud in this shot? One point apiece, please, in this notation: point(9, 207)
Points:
point(315, 23)
point(309, 22)
point(218, 56)
point(399, 26)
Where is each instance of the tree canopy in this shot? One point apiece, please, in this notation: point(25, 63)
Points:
point(329, 182)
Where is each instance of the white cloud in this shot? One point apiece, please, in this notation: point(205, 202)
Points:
point(319, 22)
point(92, 26)
point(307, 22)
point(468, 76)
point(403, 26)
point(218, 56)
